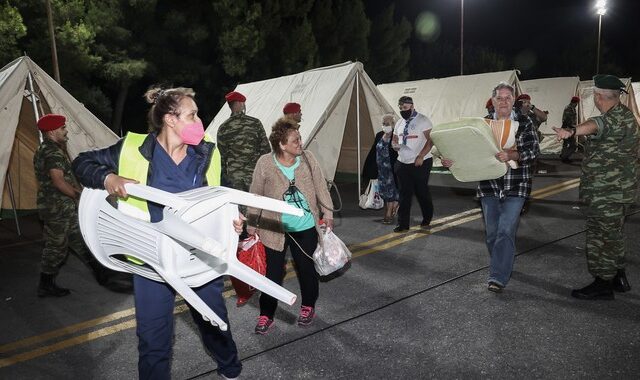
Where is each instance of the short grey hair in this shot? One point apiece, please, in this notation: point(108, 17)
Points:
point(607, 93)
point(389, 116)
point(502, 85)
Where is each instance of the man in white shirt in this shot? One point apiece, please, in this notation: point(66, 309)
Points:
point(411, 140)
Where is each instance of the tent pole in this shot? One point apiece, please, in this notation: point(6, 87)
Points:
point(358, 127)
point(13, 203)
point(34, 100)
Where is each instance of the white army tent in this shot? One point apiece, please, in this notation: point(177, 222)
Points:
point(26, 93)
point(588, 108)
point(446, 99)
point(551, 94)
point(341, 108)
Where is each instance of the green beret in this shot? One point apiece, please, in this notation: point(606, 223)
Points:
point(608, 82)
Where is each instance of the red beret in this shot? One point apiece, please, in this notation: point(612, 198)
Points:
point(523, 97)
point(489, 104)
point(575, 99)
point(234, 96)
point(291, 108)
point(51, 122)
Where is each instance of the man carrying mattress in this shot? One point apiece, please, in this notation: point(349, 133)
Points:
point(502, 198)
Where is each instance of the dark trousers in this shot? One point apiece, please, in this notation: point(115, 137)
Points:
point(307, 275)
point(414, 180)
point(154, 303)
point(568, 148)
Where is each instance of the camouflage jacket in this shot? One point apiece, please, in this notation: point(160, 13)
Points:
point(52, 202)
point(241, 140)
point(610, 164)
point(569, 116)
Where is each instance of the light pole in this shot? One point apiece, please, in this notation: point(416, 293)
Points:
point(461, 35)
point(601, 6)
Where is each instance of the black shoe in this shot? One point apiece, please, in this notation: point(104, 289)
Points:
point(598, 290)
point(401, 229)
point(620, 283)
point(425, 224)
point(48, 287)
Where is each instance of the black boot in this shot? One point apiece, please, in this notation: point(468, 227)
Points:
point(620, 282)
point(112, 280)
point(598, 290)
point(48, 287)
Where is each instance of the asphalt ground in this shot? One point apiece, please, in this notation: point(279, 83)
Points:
point(411, 305)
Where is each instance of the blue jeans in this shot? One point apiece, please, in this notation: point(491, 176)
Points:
point(501, 217)
point(154, 319)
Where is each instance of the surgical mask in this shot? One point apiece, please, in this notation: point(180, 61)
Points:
point(406, 114)
point(387, 128)
point(192, 133)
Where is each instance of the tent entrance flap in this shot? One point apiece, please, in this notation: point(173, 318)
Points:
point(348, 160)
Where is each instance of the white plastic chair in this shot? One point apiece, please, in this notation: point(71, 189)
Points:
point(194, 243)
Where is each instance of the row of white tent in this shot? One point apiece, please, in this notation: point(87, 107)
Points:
point(342, 111)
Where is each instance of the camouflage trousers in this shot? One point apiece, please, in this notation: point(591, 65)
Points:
point(61, 233)
point(605, 240)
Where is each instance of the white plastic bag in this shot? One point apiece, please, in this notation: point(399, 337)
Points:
point(371, 197)
point(331, 255)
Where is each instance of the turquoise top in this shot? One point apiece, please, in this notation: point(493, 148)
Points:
point(292, 223)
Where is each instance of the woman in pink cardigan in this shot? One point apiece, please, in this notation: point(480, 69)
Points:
point(293, 175)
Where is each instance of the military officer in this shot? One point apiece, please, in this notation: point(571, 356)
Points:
point(293, 111)
point(241, 140)
point(608, 185)
point(569, 121)
point(58, 194)
point(536, 115)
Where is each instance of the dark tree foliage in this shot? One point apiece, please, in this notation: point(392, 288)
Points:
point(389, 52)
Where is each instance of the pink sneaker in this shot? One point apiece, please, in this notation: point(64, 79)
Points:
point(264, 323)
point(306, 316)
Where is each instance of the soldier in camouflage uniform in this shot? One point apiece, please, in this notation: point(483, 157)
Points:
point(241, 140)
point(58, 195)
point(569, 121)
point(608, 186)
point(293, 111)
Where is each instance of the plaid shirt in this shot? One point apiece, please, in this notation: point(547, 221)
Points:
point(516, 182)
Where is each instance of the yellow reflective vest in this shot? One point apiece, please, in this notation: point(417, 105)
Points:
point(133, 165)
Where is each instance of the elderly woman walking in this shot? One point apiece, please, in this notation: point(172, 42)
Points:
point(293, 175)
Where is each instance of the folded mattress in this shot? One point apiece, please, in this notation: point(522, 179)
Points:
point(472, 143)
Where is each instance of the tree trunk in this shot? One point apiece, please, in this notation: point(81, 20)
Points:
point(119, 109)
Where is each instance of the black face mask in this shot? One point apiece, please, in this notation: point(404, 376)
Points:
point(406, 114)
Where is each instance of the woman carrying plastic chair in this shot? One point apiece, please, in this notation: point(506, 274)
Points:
point(173, 157)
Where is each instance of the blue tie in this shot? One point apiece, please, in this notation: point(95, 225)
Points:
point(405, 132)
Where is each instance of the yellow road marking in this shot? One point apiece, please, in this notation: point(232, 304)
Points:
point(358, 250)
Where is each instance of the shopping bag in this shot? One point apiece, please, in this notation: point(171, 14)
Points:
point(331, 255)
point(371, 198)
point(251, 252)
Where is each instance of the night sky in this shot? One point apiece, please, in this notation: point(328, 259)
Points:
point(534, 32)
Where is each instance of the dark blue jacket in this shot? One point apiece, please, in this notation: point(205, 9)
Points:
point(92, 167)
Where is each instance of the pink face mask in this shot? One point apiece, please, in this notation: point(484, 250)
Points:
point(192, 133)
